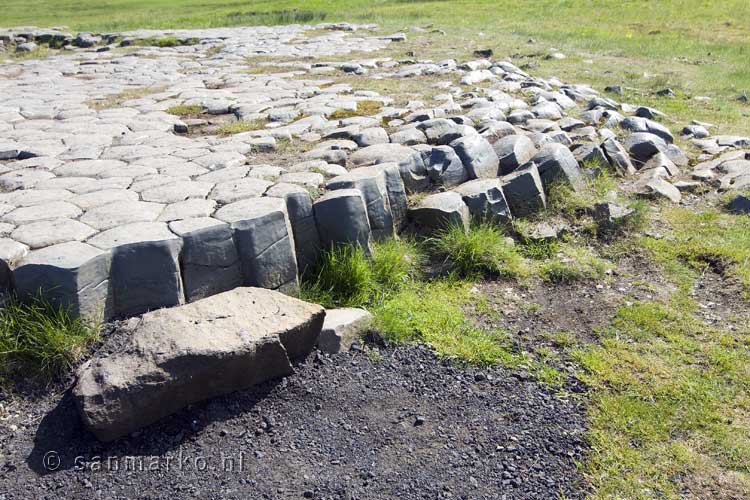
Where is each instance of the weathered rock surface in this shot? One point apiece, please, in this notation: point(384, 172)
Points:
point(440, 211)
point(179, 356)
point(342, 327)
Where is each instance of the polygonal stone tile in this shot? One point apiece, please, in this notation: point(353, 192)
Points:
point(178, 191)
point(44, 211)
point(121, 212)
point(231, 191)
point(95, 199)
point(51, 232)
point(188, 209)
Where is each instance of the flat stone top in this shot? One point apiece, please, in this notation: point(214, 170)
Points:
point(187, 226)
point(68, 255)
point(339, 193)
point(250, 209)
point(133, 233)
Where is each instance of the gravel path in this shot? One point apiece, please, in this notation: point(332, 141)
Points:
point(379, 423)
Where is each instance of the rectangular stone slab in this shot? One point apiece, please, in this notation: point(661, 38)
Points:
point(179, 356)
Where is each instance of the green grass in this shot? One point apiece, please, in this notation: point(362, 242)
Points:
point(346, 277)
point(40, 340)
point(670, 393)
point(573, 263)
point(239, 126)
point(364, 108)
point(184, 110)
point(432, 313)
point(701, 239)
point(483, 250)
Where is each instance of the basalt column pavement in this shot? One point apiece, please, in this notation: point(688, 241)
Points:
point(114, 206)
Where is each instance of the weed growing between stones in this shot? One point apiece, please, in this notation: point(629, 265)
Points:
point(184, 110)
point(39, 339)
point(240, 126)
point(364, 108)
point(167, 41)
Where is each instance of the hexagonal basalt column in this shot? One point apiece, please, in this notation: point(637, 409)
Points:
point(341, 217)
point(371, 181)
point(264, 240)
point(73, 275)
point(145, 267)
point(209, 261)
point(301, 217)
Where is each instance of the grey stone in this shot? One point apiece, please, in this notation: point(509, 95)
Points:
point(557, 165)
point(380, 153)
point(643, 145)
point(145, 267)
point(477, 156)
point(740, 204)
point(371, 182)
point(265, 242)
point(618, 156)
point(121, 212)
point(177, 191)
point(341, 217)
point(590, 155)
point(209, 262)
point(371, 136)
point(440, 211)
point(485, 199)
point(94, 199)
point(444, 167)
point(610, 217)
point(188, 209)
point(73, 275)
point(659, 188)
point(180, 356)
point(240, 189)
point(635, 124)
point(513, 151)
point(524, 191)
point(44, 211)
point(409, 136)
point(301, 217)
point(51, 232)
point(343, 327)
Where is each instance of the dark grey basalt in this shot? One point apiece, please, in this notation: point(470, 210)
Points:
point(341, 217)
point(209, 260)
point(485, 199)
point(145, 271)
point(265, 242)
point(73, 275)
point(524, 191)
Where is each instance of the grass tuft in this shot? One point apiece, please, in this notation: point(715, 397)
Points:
point(237, 127)
point(41, 340)
point(184, 110)
point(364, 108)
point(483, 250)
